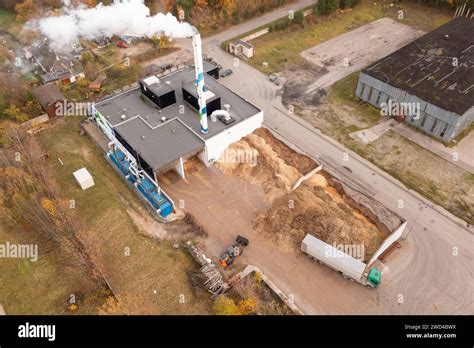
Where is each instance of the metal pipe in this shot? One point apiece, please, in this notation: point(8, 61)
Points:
point(199, 72)
point(217, 113)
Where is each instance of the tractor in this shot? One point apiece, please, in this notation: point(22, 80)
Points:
point(228, 257)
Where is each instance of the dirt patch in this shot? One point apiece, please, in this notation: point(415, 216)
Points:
point(179, 230)
point(192, 166)
point(298, 78)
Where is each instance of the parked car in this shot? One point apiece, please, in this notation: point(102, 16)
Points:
point(226, 72)
point(273, 77)
point(166, 66)
point(122, 44)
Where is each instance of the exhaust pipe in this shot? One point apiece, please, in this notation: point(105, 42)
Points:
point(199, 71)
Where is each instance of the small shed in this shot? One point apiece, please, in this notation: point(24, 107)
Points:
point(241, 48)
point(96, 85)
point(49, 96)
point(83, 178)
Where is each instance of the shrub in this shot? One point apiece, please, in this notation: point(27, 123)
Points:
point(224, 305)
point(325, 7)
point(248, 306)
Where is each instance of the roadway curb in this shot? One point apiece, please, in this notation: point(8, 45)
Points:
point(461, 223)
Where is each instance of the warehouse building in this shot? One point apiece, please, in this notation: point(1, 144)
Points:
point(156, 127)
point(428, 83)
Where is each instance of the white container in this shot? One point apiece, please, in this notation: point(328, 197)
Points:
point(333, 257)
point(83, 178)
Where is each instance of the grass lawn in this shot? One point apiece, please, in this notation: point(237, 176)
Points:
point(281, 49)
point(342, 93)
point(154, 275)
point(45, 286)
point(7, 19)
point(9, 23)
point(420, 170)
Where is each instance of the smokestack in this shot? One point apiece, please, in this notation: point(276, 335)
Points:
point(199, 71)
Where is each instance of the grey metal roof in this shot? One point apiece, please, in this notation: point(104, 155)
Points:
point(207, 65)
point(161, 145)
point(132, 103)
point(243, 43)
point(426, 67)
point(47, 95)
point(139, 121)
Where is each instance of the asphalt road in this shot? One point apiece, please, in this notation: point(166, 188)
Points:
point(433, 271)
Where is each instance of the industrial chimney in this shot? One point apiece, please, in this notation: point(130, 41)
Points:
point(199, 70)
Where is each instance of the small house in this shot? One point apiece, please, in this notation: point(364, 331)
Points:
point(241, 48)
point(49, 98)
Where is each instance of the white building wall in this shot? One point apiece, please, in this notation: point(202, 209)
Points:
point(179, 168)
point(216, 145)
point(248, 52)
point(392, 238)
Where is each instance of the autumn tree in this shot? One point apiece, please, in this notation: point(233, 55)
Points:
point(33, 199)
point(224, 305)
point(164, 41)
point(248, 306)
point(14, 113)
point(25, 10)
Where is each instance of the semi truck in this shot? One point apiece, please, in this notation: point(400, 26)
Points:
point(338, 260)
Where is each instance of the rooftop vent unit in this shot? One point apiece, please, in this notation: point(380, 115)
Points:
point(213, 102)
point(227, 118)
point(161, 94)
point(211, 68)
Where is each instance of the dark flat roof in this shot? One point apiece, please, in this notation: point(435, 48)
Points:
point(132, 103)
point(135, 117)
point(161, 145)
point(424, 68)
point(47, 94)
point(243, 43)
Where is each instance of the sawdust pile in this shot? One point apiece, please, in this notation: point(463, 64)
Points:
point(319, 210)
point(302, 163)
point(321, 206)
point(253, 158)
point(386, 220)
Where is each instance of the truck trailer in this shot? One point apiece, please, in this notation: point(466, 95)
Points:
point(338, 260)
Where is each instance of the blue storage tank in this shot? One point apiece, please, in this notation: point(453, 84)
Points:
point(166, 209)
point(146, 187)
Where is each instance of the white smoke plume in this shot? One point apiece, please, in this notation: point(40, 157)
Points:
point(131, 18)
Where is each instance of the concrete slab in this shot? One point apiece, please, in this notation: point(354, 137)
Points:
point(366, 136)
point(357, 49)
point(460, 155)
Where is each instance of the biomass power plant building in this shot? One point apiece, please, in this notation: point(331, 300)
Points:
point(165, 121)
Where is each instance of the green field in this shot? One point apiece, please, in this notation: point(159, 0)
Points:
point(9, 23)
